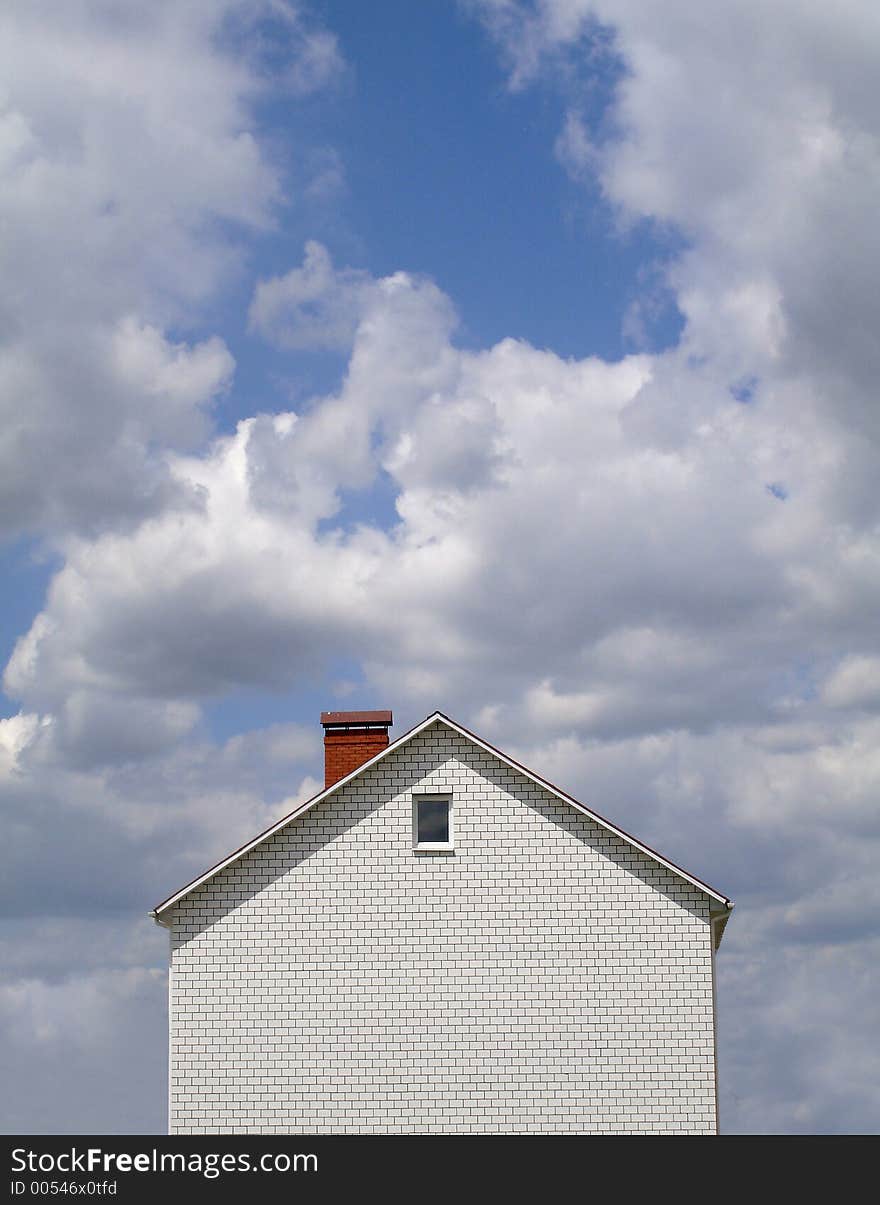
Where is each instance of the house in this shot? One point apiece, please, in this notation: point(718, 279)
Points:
point(441, 942)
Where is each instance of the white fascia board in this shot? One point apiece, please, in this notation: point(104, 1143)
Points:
point(407, 736)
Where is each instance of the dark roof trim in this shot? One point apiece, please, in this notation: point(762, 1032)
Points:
point(356, 719)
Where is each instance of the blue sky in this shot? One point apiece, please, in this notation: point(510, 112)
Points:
point(508, 358)
point(450, 173)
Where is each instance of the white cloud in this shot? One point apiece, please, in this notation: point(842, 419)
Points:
point(754, 135)
point(16, 734)
point(173, 378)
point(129, 167)
point(313, 306)
point(855, 683)
point(557, 508)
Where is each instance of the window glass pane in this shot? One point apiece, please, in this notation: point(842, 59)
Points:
point(433, 820)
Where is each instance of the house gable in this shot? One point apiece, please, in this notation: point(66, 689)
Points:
point(720, 906)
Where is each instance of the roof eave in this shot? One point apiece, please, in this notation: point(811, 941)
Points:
point(718, 921)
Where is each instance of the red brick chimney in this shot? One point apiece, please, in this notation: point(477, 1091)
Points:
point(350, 739)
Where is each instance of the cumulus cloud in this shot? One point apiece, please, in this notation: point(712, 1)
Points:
point(545, 506)
point(538, 511)
point(128, 160)
point(313, 306)
point(755, 136)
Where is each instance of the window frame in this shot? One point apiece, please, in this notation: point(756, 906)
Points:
point(433, 847)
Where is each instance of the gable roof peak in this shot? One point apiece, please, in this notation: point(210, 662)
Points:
point(720, 915)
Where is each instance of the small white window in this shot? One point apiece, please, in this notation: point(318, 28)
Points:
point(432, 822)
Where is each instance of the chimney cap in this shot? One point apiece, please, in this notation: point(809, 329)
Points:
point(356, 719)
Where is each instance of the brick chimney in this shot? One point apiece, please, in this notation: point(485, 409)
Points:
point(350, 739)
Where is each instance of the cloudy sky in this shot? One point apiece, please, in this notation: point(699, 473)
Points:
point(513, 358)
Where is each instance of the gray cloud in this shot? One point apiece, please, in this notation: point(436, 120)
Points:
point(85, 1053)
point(106, 838)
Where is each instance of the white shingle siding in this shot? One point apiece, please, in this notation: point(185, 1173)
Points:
point(546, 977)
